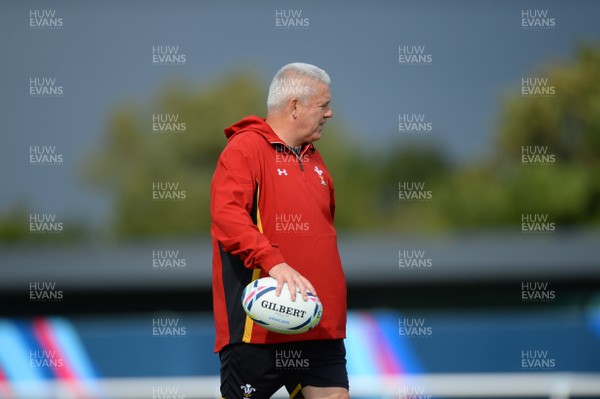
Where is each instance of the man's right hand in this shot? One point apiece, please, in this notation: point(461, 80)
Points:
point(284, 273)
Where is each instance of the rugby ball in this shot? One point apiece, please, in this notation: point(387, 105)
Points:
point(278, 313)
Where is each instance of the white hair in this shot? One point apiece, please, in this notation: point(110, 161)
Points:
point(294, 80)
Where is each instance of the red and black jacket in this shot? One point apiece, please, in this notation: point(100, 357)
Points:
point(271, 205)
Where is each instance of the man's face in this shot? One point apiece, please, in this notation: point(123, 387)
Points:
point(313, 113)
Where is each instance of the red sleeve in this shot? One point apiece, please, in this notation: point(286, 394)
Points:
point(231, 199)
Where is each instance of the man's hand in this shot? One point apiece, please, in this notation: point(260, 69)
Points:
point(284, 273)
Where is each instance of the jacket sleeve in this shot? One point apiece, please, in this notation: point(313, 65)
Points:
point(232, 195)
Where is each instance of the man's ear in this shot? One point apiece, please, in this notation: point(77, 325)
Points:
point(293, 107)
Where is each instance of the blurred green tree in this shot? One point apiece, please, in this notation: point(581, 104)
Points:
point(133, 157)
point(566, 124)
point(487, 194)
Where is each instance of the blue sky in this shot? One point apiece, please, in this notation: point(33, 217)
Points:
point(102, 57)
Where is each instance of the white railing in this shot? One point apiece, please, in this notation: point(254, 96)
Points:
point(550, 385)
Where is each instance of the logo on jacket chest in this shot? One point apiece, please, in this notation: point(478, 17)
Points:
point(320, 174)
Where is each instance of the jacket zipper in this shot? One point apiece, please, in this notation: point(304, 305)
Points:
point(298, 157)
point(300, 162)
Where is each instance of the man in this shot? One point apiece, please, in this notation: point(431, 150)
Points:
point(272, 208)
